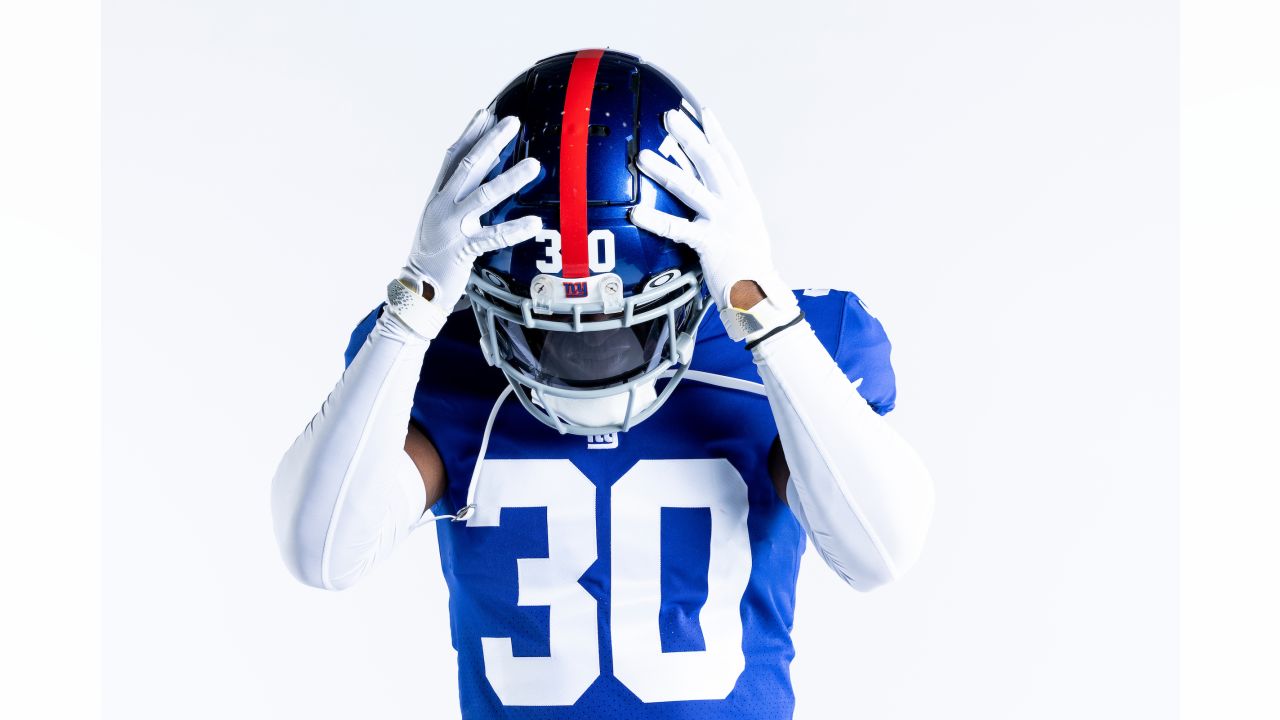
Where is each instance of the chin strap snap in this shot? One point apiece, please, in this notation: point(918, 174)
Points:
point(463, 513)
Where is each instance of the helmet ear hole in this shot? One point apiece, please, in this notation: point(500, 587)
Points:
point(493, 278)
point(662, 278)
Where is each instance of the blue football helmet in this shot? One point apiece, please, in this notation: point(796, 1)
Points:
point(584, 319)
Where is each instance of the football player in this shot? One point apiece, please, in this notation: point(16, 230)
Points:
point(624, 480)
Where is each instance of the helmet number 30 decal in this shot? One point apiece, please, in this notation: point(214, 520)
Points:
point(637, 502)
point(601, 255)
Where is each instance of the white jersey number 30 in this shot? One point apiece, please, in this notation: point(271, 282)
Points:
point(636, 517)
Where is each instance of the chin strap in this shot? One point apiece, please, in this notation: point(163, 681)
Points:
point(469, 508)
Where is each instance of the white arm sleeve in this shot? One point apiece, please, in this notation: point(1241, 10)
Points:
point(860, 492)
point(347, 491)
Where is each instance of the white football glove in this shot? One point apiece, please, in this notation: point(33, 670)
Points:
point(450, 236)
point(728, 233)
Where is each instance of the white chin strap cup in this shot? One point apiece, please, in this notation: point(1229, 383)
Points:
point(600, 411)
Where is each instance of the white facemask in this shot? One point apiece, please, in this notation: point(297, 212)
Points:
point(602, 411)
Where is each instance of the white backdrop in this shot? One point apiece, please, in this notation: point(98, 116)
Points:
point(997, 179)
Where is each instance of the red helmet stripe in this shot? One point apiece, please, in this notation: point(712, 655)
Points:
point(573, 162)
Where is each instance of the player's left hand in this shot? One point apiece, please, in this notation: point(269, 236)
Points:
point(728, 233)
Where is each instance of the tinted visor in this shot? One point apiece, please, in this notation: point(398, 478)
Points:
point(592, 358)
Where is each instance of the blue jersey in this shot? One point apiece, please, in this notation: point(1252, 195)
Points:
point(648, 574)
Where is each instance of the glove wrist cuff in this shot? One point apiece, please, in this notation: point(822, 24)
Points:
point(763, 317)
point(764, 335)
point(423, 316)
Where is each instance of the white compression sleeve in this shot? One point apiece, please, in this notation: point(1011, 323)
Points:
point(346, 491)
point(859, 490)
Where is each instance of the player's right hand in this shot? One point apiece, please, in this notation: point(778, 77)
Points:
point(450, 236)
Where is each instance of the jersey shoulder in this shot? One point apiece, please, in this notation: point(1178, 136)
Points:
point(857, 341)
point(454, 364)
point(456, 348)
point(359, 334)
